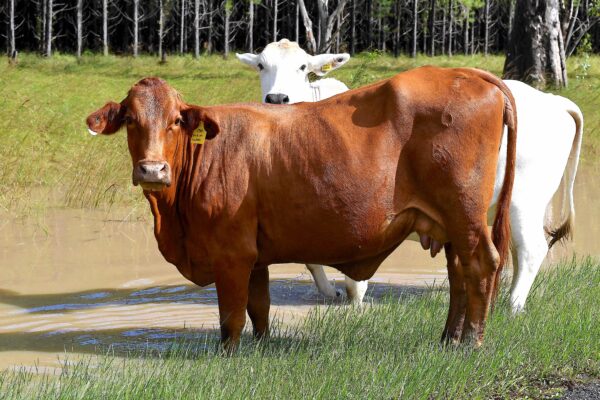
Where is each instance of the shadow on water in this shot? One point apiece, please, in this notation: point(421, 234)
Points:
point(145, 338)
point(284, 292)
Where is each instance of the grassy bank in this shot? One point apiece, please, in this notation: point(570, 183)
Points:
point(388, 350)
point(49, 159)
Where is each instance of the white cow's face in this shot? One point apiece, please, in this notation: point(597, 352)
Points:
point(284, 67)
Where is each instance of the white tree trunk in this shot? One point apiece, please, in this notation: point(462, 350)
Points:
point(275, 9)
point(197, 28)
point(486, 27)
point(310, 37)
point(251, 27)
point(450, 26)
point(13, 48)
point(50, 17)
point(79, 27)
point(105, 26)
point(182, 28)
point(161, 28)
point(297, 21)
point(226, 36)
point(136, 21)
point(415, 19)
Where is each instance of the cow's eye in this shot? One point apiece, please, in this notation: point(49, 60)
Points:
point(128, 120)
point(303, 67)
point(260, 67)
point(178, 121)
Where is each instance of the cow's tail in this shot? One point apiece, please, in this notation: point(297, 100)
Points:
point(565, 230)
point(501, 235)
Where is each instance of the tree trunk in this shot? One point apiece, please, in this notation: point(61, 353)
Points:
point(182, 28)
point(251, 26)
point(105, 27)
point(415, 18)
point(511, 17)
point(44, 21)
point(13, 49)
point(228, 6)
point(136, 31)
point(466, 31)
point(536, 51)
point(160, 28)
point(310, 38)
point(450, 26)
point(79, 27)
point(397, 31)
point(197, 28)
point(473, 38)
point(209, 45)
point(353, 29)
point(432, 29)
point(297, 22)
point(444, 18)
point(486, 27)
point(275, 9)
point(50, 17)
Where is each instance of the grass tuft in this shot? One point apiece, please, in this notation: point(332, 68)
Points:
point(385, 350)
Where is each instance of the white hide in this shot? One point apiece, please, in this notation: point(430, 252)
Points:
point(284, 67)
point(549, 133)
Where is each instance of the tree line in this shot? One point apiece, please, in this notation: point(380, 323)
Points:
point(199, 27)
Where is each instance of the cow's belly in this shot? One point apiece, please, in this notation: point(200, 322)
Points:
point(355, 246)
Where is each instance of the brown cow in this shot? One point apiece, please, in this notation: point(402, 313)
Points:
point(341, 182)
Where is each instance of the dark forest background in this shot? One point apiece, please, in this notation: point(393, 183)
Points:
point(432, 27)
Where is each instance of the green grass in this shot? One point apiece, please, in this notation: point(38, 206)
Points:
point(388, 350)
point(49, 160)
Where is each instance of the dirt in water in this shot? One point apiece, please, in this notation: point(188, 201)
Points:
point(83, 282)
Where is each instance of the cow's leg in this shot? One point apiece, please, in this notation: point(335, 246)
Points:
point(480, 273)
point(323, 285)
point(529, 249)
point(458, 298)
point(356, 290)
point(232, 284)
point(259, 301)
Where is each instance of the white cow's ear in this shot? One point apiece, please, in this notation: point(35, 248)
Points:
point(248, 58)
point(324, 63)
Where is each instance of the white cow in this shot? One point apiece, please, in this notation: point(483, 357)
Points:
point(548, 145)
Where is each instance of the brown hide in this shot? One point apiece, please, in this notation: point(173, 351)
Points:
point(340, 182)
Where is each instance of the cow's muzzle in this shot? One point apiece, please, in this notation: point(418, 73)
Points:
point(152, 175)
point(277, 98)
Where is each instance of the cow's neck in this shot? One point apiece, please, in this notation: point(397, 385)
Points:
point(170, 205)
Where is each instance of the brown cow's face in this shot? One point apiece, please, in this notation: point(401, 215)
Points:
point(158, 124)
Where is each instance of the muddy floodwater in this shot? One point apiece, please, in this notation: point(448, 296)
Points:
point(80, 282)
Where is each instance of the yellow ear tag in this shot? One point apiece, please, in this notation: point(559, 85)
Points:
point(199, 134)
point(326, 67)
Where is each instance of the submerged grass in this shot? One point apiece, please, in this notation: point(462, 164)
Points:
point(49, 159)
point(387, 350)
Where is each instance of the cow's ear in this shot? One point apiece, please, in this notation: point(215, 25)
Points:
point(192, 116)
point(248, 58)
point(325, 63)
point(106, 120)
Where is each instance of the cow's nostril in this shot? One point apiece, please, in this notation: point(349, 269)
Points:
point(164, 168)
point(143, 169)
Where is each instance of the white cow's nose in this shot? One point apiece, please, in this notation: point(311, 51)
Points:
point(277, 98)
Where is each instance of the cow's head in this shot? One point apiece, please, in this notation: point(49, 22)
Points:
point(159, 125)
point(284, 67)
